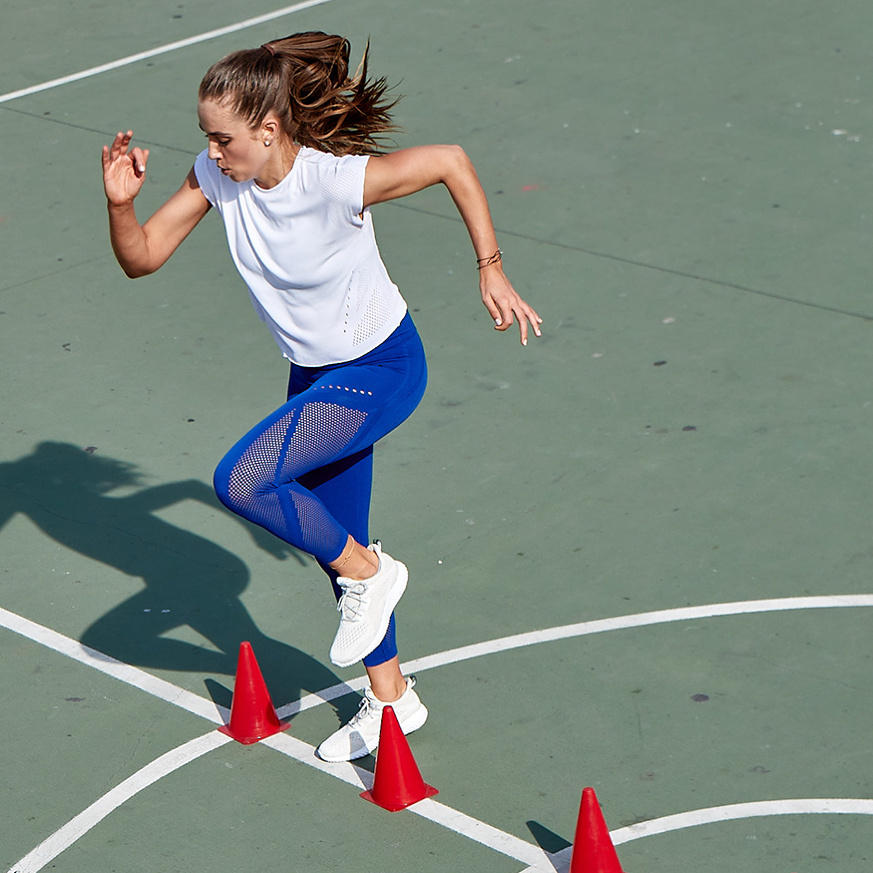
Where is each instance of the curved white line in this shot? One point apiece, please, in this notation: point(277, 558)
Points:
point(560, 861)
point(437, 812)
point(141, 56)
point(713, 814)
point(584, 628)
point(76, 827)
point(289, 745)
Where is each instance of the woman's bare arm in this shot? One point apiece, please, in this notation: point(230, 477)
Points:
point(409, 170)
point(142, 249)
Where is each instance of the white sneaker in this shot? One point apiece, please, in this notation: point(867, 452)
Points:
point(361, 735)
point(365, 609)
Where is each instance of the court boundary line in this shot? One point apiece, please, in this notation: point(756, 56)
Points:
point(92, 815)
point(738, 811)
point(560, 860)
point(587, 628)
point(453, 820)
point(160, 50)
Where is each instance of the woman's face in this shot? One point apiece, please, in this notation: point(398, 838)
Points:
point(238, 150)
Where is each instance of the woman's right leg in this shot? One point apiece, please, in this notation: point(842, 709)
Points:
point(344, 487)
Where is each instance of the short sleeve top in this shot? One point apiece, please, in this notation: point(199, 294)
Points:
point(307, 251)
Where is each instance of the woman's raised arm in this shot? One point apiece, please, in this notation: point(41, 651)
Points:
point(409, 170)
point(142, 249)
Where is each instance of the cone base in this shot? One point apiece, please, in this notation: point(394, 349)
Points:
point(248, 739)
point(397, 805)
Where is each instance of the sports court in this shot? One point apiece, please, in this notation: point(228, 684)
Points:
point(640, 548)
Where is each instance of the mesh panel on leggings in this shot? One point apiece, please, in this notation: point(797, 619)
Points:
point(254, 473)
point(262, 484)
point(323, 431)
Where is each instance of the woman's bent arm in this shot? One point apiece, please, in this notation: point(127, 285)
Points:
point(142, 249)
point(409, 170)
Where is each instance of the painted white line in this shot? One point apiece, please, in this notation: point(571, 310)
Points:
point(300, 751)
point(560, 861)
point(452, 819)
point(697, 817)
point(141, 56)
point(316, 698)
point(111, 667)
point(585, 628)
point(483, 833)
point(62, 839)
point(289, 745)
point(439, 813)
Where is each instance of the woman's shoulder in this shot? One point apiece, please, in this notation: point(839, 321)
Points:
point(336, 176)
point(208, 176)
point(327, 162)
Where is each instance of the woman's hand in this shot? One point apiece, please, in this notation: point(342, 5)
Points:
point(123, 170)
point(504, 303)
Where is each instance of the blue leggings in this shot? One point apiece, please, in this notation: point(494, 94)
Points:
point(305, 473)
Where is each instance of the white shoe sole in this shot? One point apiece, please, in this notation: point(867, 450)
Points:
point(393, 599)
point(417, 720)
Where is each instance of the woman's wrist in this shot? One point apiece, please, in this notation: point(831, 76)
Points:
point(114, 206)
point(489, 260)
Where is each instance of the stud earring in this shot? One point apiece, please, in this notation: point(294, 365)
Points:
point(267, 142)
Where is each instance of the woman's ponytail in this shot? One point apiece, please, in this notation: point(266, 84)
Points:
point(304, 80)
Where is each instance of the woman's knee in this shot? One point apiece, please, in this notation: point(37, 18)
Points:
point(232, 488)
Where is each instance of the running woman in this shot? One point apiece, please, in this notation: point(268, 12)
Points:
point(293, 165)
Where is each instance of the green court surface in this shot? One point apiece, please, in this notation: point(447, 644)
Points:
point(672, 486)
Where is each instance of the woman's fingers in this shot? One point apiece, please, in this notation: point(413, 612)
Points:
point(505, 316)
point(530, 317)
point(120, 144)
point(123, 168)
point(527, 320)
point(139, 157)
point(494, 312)
point(508, 308)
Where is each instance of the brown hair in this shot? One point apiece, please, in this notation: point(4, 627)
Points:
point(304, 80)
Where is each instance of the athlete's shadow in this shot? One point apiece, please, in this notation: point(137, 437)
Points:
point(189, 580)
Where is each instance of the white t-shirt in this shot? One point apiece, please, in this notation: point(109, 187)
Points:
point(307, 251)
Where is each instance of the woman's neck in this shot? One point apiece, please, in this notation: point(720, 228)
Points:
point(279, 165)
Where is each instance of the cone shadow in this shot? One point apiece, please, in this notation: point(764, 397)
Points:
point(221, 695)
point(547, 840)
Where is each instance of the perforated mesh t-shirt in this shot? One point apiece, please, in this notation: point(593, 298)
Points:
point(307, 252)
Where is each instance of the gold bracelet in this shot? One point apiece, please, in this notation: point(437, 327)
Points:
point(496, 258)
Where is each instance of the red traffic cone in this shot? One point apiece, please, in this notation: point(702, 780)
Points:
point(593, 851)
point(397, 782)
point(252, 715)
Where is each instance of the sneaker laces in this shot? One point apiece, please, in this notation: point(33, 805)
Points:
point(366, 705)
point(352, 599)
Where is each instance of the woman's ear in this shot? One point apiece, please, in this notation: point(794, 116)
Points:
point(269, 129)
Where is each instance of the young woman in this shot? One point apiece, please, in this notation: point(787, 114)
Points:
point(293, 164)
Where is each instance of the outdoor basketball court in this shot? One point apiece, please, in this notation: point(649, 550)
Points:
point(640, 549)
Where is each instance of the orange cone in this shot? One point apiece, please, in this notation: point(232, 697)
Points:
point(397, 782)
point(593, 851)
point(252, 715)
